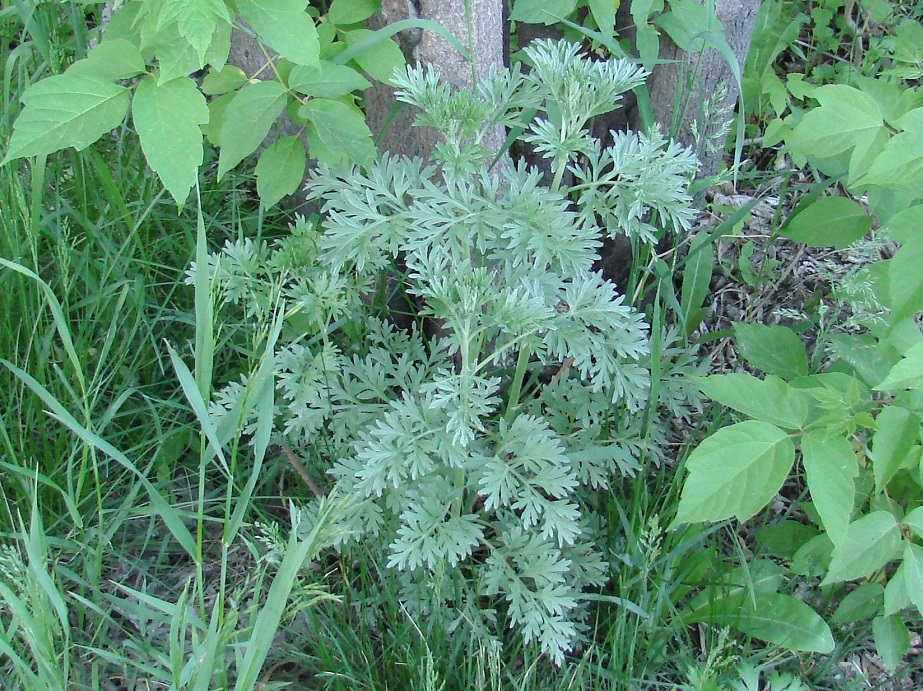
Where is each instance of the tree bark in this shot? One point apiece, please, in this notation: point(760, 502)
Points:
point(703, 86)
point(478, 24)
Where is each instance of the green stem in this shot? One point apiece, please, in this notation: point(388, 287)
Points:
point(516, 386)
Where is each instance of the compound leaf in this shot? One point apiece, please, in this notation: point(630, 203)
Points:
point(336, 131)
point(247, 120)
point(110, 60)
point(328, 81)
point(167, 118)
point(66, 110)
point(867, 545)
point(285, 27)
point(892, 639)
point(829, 222)
point(770, 400)
point(831, 468)
point(542, 11)
point(344, 12)
point(846, 118)
point(785, 621)
point(735, 472)
point(906, 374)
point(280, 170)
point(898, 430)
point(774, 349)
point(906, 279)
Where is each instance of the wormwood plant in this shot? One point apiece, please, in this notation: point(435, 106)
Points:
point(471, 450)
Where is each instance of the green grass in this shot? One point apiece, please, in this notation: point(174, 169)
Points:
point(135, 524)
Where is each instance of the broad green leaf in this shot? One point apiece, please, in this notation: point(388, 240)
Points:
point(735, 472)
point(892, 639)
point(216, 110)
point(351, 11)
point(542, 11)
point(846, 118)
point(902, 158)
point(338, 130)
point(603, 12)
point(783, 539)
point(905, 226)
point(285, 27)
point(898, 430)
point(829, 222)
point(813, 558)
point(176, 57)
point(167, 118)
point(724, 596)
point(896, 596)
point(913, 574)
point(906, 374)
point(247, 120)
point(66, 110)
point(647, 39)
point(196, 20)
point(685, 20)
point(906, 281)
point(862, 603)
point(224, 80)
point(831, 468)
point(696, 279)
point(869, 544)
point(329, 81)
point(380, 60)
point(773, 349)
point(769, 400)
point(280, 170)
point(110, 60)
point(914, 521)
point(787, 622)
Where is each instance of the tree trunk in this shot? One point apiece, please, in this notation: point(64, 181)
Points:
point(481, 29)
point(702, 85)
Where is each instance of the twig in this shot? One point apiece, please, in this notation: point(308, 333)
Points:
point(302, 472)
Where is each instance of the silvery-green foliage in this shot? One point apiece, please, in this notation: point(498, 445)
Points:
point(469, 451)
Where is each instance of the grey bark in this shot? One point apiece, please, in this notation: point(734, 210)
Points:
point(694, 81)
point(478, 24)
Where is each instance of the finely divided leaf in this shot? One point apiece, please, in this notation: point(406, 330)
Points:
point(773, 349)
point(280, 170)
point(869, 544)
point(735, 472)
point(247, 121)
point(167, 118)
point(285, 26)
point(831, 468)
point(829, 222)
point(66, 110)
